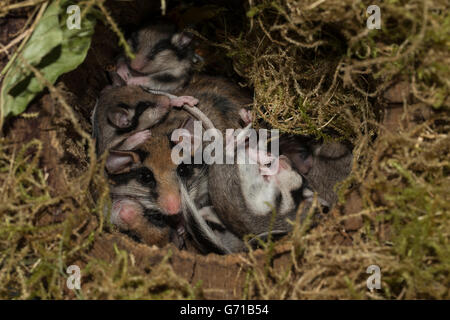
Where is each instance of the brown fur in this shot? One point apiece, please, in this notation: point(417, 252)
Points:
point(223, 182)
point(158, 160)
point(160, 163)
point(158, 146)
point(163, 59)
point(105, 134)
point(150, 234)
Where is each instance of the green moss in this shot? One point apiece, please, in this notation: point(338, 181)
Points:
point(309, 77)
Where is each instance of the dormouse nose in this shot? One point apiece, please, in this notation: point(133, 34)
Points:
point(138, 63)
point(171, 203)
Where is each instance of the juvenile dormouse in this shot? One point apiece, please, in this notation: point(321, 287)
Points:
point(163, 59)
point(331, 164)
point(148, 177)
point(238, 192)
point(322, 164)
point(146, 174)
point(124, 114)
point(121, 120)
point(206, 230)
point(245, 199)
point(120, 162)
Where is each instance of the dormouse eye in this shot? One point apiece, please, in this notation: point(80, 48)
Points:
point(155, 218)
point(143, 105)
point(185, 171)
point(160, 46)
point(146, 177)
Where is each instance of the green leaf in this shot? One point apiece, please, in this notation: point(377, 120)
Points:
point(53, 49)
point(253, 12)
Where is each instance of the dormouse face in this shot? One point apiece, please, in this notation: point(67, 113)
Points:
point(129, 216)
point(149, 176)
point(130, 107)
point(159, 48)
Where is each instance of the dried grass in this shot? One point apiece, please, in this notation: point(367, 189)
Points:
point(315, 69)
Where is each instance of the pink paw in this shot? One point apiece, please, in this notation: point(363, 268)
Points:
point(279, 171)
point(273, 167)
point(136, 139)
point(260, 157)
point(246, 116)
point(270, 171)
point(123, 72)
point(182, 100)
point(125, 211)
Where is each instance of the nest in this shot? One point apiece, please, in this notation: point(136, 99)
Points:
point(315, 69)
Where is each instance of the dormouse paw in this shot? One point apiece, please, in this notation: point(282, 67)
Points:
point(136, 139)
point(182, 100)
point(246, 116)
point(124, 212)
point(268, 164)
point(123, 72)
point(276, 169)
point(308, 194)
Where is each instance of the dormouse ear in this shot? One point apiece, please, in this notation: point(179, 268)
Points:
point(120, 161)
point(119, 117)
point(182, 39)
